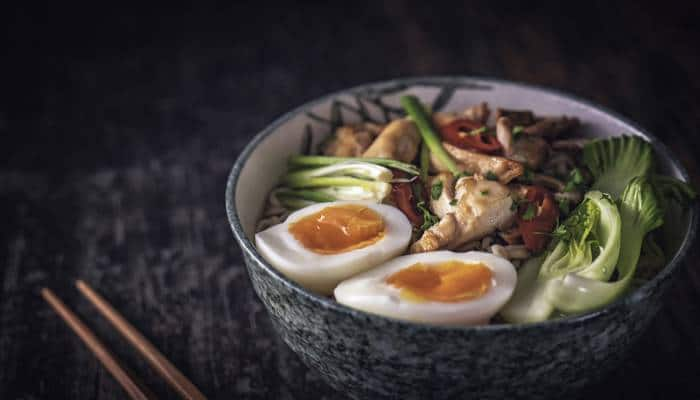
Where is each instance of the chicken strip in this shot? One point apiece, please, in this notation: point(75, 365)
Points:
point(399, 141)
point(478, 113)
point(352, 140)
point(483, 164)
point(482, 207)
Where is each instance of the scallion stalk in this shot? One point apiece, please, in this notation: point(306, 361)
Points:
point(321, 161)
point(417, 113)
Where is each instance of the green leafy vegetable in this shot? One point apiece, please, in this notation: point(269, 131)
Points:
point(564, 206)
point(614, 162)
point(453, 202)
point(529, 302)
point(424, 162)
point(419, 116)
point(671, 189)
point(640, 213)
point(587, 242)
point(575, 180)
point(484, 192)
point(491, 176)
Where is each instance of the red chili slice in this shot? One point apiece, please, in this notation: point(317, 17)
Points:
point(460, 133)
point(402, 193)
point(536, 230)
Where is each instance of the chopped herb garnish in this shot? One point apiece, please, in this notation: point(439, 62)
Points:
point(463, 174)
point(517, 130)
point(477, 131)
point(575, 180)
point(429, 219)
point(527, 176)
point(484, 192)
point(565, 206)
point(453, 202)
point(436, 190)
point(491, 176)
point(530, 212)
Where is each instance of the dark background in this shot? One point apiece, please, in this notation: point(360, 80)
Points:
point(118, 127)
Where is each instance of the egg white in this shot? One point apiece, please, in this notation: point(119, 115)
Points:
point(322, 272)
point(369, 291)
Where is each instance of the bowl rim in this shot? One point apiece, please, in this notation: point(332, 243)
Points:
point(248, 247)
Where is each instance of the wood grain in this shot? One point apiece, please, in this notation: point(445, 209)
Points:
point(118, 128)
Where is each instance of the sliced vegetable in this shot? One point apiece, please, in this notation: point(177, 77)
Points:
point(640, 214)
point(587, 242)
point(436, 190)
point(346, 181)
point(424, 162)
point(529, 302)
point(415, 110)
point(671, 189)
point(402, 193)
point(321, 161)
point(537, 218)
point(467, 134)
point(614, 162)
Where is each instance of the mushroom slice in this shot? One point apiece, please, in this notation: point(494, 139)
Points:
point(483, 206)
point(504, 134)
point(352, 140)
point(529, 150)
point(573, 144)
point(517, 117)
point(399, 141)
point(504, 169)
point(551, 126)
point(478, 113)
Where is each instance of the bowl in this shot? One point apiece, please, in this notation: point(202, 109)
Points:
point(369, 356)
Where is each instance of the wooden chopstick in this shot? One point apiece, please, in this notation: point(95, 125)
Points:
point(167, 370)
point(107, 359)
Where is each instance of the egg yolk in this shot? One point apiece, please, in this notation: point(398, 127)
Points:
point(449, 281)
point(338, 229)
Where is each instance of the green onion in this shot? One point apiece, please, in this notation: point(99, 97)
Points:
point(417, 113)
point(424, 162)
point(484, 192)
point(491, 176)
point(321, 161)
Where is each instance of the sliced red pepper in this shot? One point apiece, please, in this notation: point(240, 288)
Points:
point(464, 133)
point(402, 193)
point(538, 225)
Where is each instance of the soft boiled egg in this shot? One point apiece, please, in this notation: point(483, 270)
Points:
point(441, 287)
point(323, 244)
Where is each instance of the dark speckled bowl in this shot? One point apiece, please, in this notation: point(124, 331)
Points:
point(368, 356)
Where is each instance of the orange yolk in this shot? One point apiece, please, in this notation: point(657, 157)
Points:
point(449, 281)
point(338, 229)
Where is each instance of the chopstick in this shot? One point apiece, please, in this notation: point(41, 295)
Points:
point(108, 360)
point(172, 375)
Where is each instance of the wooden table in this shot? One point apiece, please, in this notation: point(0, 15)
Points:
point(118, 128)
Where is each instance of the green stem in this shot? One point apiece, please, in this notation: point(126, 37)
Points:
point(424, 162)
point(320, 161)
point(310, 195)
point(417, 113)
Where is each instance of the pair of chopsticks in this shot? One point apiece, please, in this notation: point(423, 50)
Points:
point(165, 368)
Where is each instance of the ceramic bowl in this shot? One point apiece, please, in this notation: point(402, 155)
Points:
point(369, 356)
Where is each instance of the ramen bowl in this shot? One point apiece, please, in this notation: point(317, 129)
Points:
point(368, 356)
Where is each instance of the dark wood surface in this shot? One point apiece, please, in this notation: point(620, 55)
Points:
point(118, 128)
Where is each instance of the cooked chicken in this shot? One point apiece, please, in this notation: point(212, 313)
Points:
point(398, 140)
point(482, 207)
point(551, 126)
point(483, 164)
point(352, 140)
point(529, 150)
point(517, 117)
point(504, 134)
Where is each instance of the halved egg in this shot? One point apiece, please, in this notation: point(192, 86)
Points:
point(442, 287)
point(323, 244)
